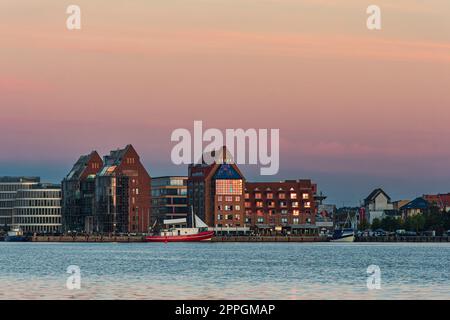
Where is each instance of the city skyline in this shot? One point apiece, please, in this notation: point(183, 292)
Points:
point(356, 109)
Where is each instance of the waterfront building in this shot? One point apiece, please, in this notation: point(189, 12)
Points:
point(78, 194)
point(415, 207)
point(377, 205)
point(30, 205)
point(216, 191)
point(38, 209)
point(169, 198)
point(221, 196)
point(287, 206)
point(8, 192)
point(122, 194)
point(442, 201)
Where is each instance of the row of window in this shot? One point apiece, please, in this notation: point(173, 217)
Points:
point(282, 204)
point(37, 211)
point(283, 220)
point(37, 203)
point(37, 220)
point(281, 195)
point(294, 212)
point(228, 217)
point(229, 207)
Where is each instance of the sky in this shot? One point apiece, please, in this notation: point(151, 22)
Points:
point(357, 109)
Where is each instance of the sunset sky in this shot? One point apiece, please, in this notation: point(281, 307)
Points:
point(356, 109)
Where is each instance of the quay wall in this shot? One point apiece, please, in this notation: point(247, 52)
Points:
point(128, 239)
point(403, 239)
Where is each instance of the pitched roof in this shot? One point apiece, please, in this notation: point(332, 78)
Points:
point(375, 194)
point(417, 203)
point(79, 166)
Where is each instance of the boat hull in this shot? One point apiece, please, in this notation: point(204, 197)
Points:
point(350, 238)
point(201, 236)
point(16, 239)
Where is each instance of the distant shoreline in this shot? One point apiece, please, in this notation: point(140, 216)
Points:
point(253, 239)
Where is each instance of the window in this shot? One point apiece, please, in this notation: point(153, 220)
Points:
point(296, 212)
point(237, 216)
point(293, 195)
point(219, 198)
point(260, 220)
point(237, 208)
point(247, 204)
point(257, 195)
point(308, 204)
point(283, 204)
point(237, 198)
point(295, 220)
point(269, 195)
point(284, 220)
point(259, 204)
point(295, 204)
point(228, 208)
point(229, 187)
point(247, 196)
point(305, 196)
point(282, 196)
point(284, 211)
point(228, 198)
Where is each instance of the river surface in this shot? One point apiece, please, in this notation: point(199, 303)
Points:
point(225, 270)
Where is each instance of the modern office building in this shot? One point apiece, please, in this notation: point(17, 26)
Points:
point(287, 206)
point(78, 194)
point(169, 198)
point(38, 209)
point(27, 203)
point(8, 192)
point(122, 194)
point(216, 191)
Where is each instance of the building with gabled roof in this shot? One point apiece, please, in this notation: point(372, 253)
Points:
point(376, 204)
point(78, 193)
point(122, 194)
point(216, 190)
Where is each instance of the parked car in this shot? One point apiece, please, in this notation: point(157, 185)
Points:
point(410, 233)
point(400, 232)
point(380, 233)
point(447, 233)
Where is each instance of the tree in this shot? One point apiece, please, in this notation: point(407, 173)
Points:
point(376, 224)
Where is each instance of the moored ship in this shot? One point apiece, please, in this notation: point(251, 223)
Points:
point(198, 231)
point(15, 235)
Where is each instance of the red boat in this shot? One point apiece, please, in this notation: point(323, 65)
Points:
point(171, 237)
point(198, 232)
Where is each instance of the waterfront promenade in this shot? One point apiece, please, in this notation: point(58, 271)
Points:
point(132, 239)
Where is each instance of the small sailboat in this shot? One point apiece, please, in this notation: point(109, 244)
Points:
point(198, 231)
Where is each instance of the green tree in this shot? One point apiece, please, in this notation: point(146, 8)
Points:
point(376, 224)
point(390, 223)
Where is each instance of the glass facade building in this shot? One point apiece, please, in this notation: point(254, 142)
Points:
point(169, 198)
point(30, 205)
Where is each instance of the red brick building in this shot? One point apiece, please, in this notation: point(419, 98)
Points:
point(442, 201)
point(122, 191)
point(220, 195)
point(281, 206)
point(216, 192)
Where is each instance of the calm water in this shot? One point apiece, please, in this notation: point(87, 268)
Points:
point(224, 271)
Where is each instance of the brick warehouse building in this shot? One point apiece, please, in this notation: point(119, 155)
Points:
point(78, 194)
point(281, 206)
point(221, 196)
point(216, 192)
point(116, 194)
